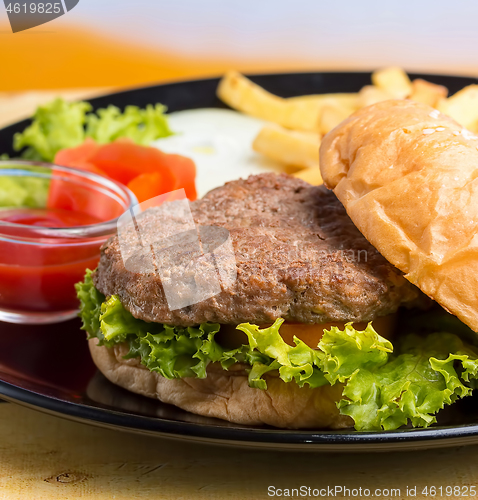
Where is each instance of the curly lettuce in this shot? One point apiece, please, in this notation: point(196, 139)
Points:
point(142, 126)
point(16, 191)
point(299, 363)
point(177, 352)
point(60, 125)
point(384, 388)
point(56, 125)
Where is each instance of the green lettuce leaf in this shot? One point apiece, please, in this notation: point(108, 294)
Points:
point(300, 363)
point(345, 350)
point(23, 191)
point(91, 300)
point(142, 126)
point(176, 352)
point(384, 388)
point(60, 125)
point(56, 125)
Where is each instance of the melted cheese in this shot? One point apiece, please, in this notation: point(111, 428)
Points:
point(311, 334)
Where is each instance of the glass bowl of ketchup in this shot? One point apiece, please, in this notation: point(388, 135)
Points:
point(53, 221)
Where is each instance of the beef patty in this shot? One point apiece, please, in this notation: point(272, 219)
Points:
point(298, 256)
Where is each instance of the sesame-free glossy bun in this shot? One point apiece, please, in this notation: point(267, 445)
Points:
point(408, 178)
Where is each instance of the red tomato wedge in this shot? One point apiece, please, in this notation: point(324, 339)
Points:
point(147, 171)
point(79, 157)
point(185, 170)
point(65, 194)
point(123, 161)
point(147, 186)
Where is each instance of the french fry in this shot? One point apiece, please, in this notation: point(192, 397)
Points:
point(333, 108)
point(370, 94)
point(394, 81)
point(243, 95)
point(290, 147)
point(462, 107)
point(332, 114)
point(292, 139)
point(310, 175)
point(427, 92)
point(240, 93)
point(347, 100)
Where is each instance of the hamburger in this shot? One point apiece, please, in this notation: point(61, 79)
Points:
point(307, 335)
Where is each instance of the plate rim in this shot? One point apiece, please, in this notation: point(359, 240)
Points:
point(254, 437)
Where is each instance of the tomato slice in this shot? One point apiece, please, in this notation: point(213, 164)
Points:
point(79, 157)
point(124, 161)
point(147, 171)
point(147, 186)
point(185, 170)
point(66, 193)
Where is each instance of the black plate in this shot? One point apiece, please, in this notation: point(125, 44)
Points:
point(49, 367)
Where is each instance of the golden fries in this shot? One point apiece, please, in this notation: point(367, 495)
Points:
point(297, 123)
point(242, 94)
point(332, 114)
point(347, 100)
point(462, 107)
point(394, 81)
point(310, 175)
point(427, 92)
point(300, 149)
point(370, 94)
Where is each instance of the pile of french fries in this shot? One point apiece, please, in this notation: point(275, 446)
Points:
point(297, 124)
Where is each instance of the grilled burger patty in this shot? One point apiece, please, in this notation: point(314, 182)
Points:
point(298, 257)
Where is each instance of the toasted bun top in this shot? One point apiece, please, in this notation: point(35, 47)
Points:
point(408, 178)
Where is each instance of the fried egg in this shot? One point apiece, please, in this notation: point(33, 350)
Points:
point(220, 143)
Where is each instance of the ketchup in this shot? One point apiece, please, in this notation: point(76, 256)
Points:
point(47, 217)
point(40, 277)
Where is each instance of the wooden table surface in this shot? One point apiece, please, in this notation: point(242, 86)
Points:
point(45, 457)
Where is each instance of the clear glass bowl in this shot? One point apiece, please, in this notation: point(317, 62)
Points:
point(53, 221)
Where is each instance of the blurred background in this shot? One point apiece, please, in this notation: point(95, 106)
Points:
point(111, 43)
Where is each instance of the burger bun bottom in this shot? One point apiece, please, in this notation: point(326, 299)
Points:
point(227, 394)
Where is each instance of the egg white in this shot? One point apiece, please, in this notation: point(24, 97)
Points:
point(220, 143)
